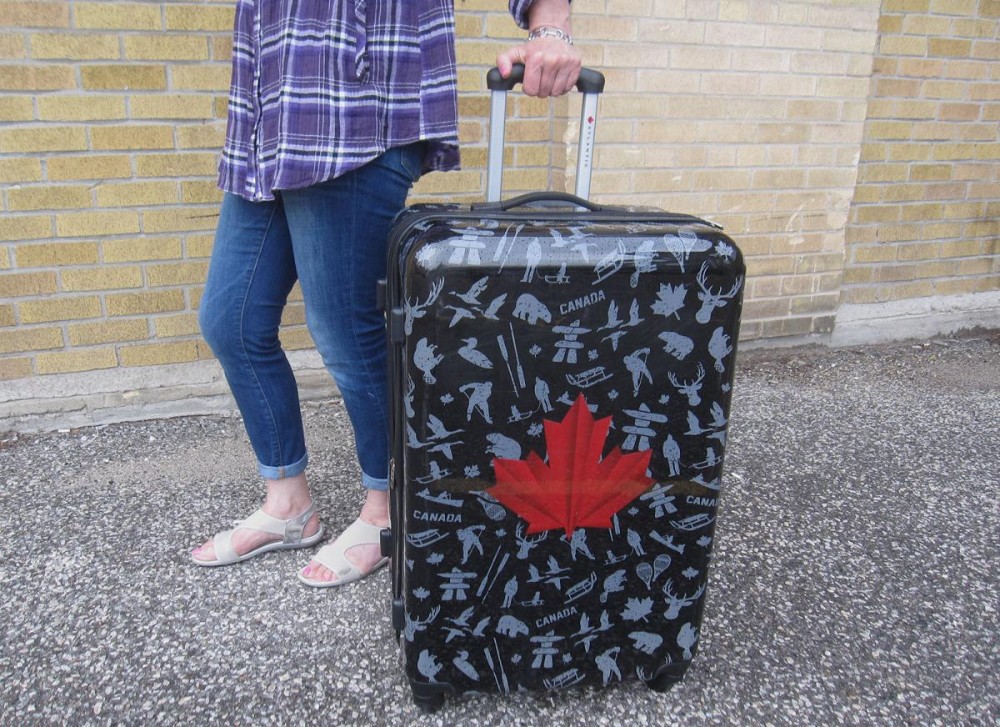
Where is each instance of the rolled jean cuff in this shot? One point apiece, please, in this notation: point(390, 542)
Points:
point(373, 483)
point(280, 473)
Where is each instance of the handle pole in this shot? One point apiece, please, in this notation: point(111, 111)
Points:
point(498, 123)
point(585, 157)
point(590, 82)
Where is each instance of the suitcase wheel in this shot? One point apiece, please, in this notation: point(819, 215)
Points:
point(428, 697)
point(667, 676)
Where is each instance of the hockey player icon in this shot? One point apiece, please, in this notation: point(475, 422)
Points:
point(636, 365)
point(469, 537)
point(608, 664)
point(545, 651)
point(578, 543)
point(479, 399)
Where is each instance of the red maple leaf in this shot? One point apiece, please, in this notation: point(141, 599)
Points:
point(577, 488)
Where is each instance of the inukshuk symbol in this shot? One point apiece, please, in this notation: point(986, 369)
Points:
point(579, 486)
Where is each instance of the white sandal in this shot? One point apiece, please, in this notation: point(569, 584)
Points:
point(334, 555)
point(290, 531)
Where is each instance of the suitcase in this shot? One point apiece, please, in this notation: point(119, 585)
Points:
point(561, 374)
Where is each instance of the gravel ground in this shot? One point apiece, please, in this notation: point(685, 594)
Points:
point(854, 579)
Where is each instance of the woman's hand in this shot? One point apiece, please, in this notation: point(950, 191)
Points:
point(551, 63)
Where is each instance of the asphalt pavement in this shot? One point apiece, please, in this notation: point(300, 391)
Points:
point(854, 580)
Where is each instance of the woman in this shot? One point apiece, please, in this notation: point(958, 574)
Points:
point(336, 108)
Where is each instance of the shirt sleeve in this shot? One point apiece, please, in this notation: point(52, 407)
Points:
point(519, 9)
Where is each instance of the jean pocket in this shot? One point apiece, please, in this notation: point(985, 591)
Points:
point(411, 159)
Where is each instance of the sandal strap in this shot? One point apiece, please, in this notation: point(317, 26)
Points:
point(290, 530)
point(333, 555)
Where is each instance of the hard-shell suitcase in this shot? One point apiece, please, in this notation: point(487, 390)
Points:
point(561, 375)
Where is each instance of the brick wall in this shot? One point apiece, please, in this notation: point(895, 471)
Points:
point(926, 214)
point(753, 113)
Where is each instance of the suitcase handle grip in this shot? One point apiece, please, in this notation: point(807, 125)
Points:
point(540, 197)
point(589, 80)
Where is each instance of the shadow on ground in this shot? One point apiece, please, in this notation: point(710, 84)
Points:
point(854, 579)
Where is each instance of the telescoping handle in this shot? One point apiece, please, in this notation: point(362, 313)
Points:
point(590, 83)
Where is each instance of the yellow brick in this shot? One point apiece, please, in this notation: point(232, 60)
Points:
point(867, 215)
point(74, 47)
point(221, 107)
point(6, 316)
point(96, 166)
point(24, 227)
point(918, 251)
point(180, 219)
point(36, 78)
point(199, 245)
point(30, 339)
point(166, 47)
point(141, 248)
point(293, 315)
point(295, 339)
point(102, 278)
point(959, 112)
point(92, 166)
point(222, 47)
point(874, 253)
point(905, 45)
point(16, 108)
point(56, 138)
point(133, 194)
point(122, 77)
point(81, 108)
point(79, 224)
point(123, 137)
point(87, 359)
point(172, 106)
point(60, 309)
point(961, 248)
point(200, 78)
point(127, 304)
point(18, 170)
point(53, 254)
point(14, 368)
point(160, 353)
point(48, 198)
point(177, 165)
point(184, 324)
point(176, 274)
point(949, 47)
point(89, 334)
point(191, 17)
point(930, 172)
point(12, 46)
point(209, 192)
point(33, 14)
point(118, 16)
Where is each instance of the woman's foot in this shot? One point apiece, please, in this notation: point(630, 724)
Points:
point(366, 556)
point(286, 499)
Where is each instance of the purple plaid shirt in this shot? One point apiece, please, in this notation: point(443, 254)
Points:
point(321, 87)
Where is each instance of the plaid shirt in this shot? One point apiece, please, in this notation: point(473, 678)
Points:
point(321, 87)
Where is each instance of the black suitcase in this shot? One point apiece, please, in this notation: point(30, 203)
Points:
point(561, 375)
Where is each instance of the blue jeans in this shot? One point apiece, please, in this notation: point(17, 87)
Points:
point(332, 238)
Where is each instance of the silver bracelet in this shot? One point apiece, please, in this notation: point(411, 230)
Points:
point(547, 31)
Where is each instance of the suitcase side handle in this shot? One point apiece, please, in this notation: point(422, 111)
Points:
point(591, 83)
point(543, 199)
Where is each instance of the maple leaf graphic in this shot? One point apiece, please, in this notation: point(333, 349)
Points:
point(577, 488)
